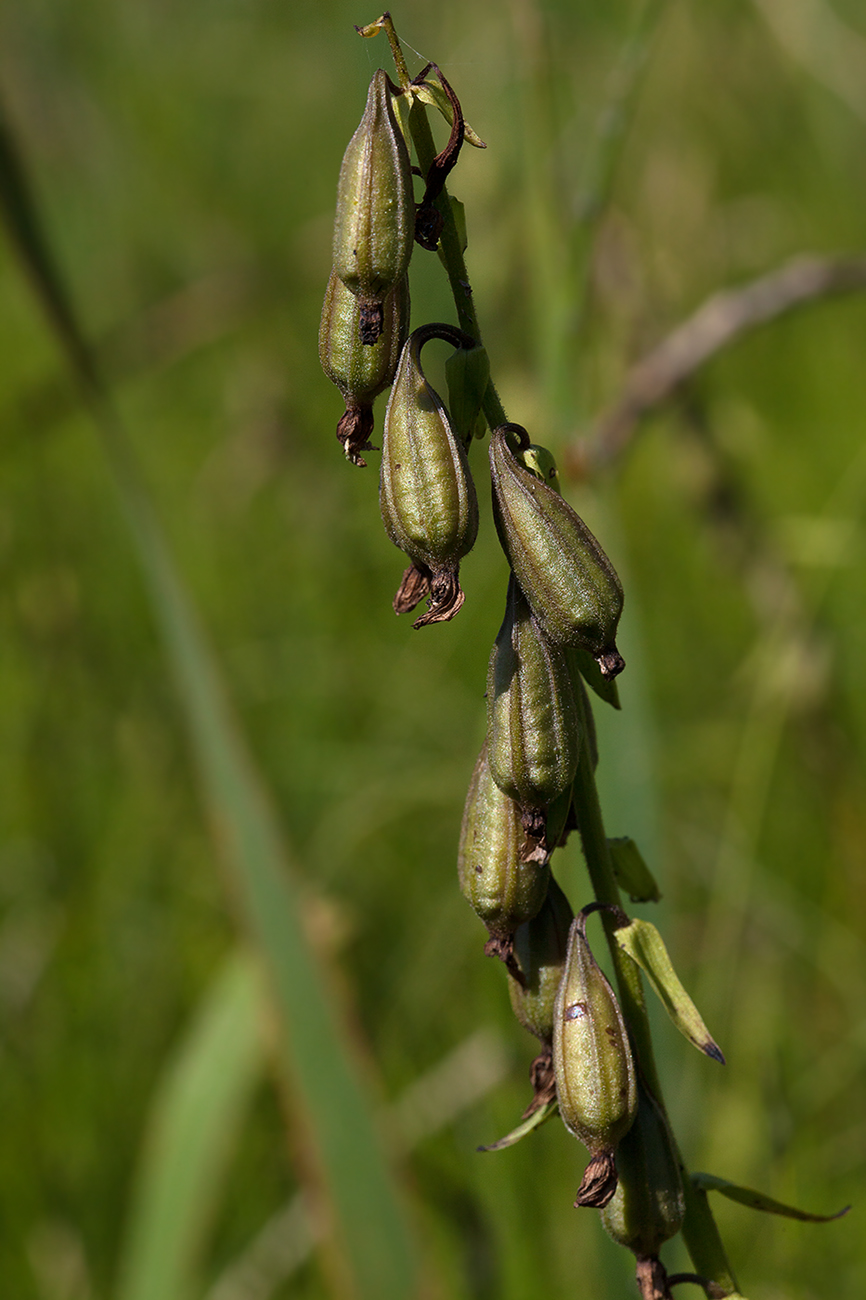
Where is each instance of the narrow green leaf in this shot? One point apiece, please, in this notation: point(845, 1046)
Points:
point(536, 1119)
point(632, 873)
point(644, 944)
point(20, 216)
point(758, 1201)
point(432, 93)
point(370, 1233)
point(195, 1117)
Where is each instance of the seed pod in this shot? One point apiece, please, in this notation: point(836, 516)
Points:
point(426, 494)
point(595, 1077)
point(568, 580)
point(360, 371)
point(532, 723)
point(540, 948)
point(375, 219)
point(504, 890)
point(648, 1206)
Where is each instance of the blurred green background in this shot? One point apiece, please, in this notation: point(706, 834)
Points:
point(185, 161)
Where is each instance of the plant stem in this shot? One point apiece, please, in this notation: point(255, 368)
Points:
point(596, 852)
point(450, 245)
point(451, 252)
point(700, 1231)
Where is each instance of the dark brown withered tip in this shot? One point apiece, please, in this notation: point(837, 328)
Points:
point(611, 663)
point(415, 585)
point(534, 822)
point(371, 321)
point(446, 598)
point(535, 851)
point(543, 1081)
point(502, 946)
point(428, 226)
point(353, 431)
point(599, 1181)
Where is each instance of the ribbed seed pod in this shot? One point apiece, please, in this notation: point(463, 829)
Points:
point(540, 947)
point(503, 890)
point(595, 1077)
point(359, 370)
point(648, 1206)
point(426, 494)
point(374, 226)
point(532, 724)
point(568, 580)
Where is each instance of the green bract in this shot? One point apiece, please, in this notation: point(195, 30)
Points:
point(467, 372)
point(568, 580)
point(375, 219)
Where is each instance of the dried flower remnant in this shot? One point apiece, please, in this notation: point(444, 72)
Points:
point(428, 220)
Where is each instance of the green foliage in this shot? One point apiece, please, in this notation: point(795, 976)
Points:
point(185, 160)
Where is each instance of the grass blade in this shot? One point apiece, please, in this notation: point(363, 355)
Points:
point(195, 1117)
point(370, 1238)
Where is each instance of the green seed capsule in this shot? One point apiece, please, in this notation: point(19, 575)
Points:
point(504, 890)
point(647, 1208)
point(595, 1077)
point(375, 220)
point(532, 723)
point(568, 580)
point(360, 371)
point(426, 494)
point(540, 948)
